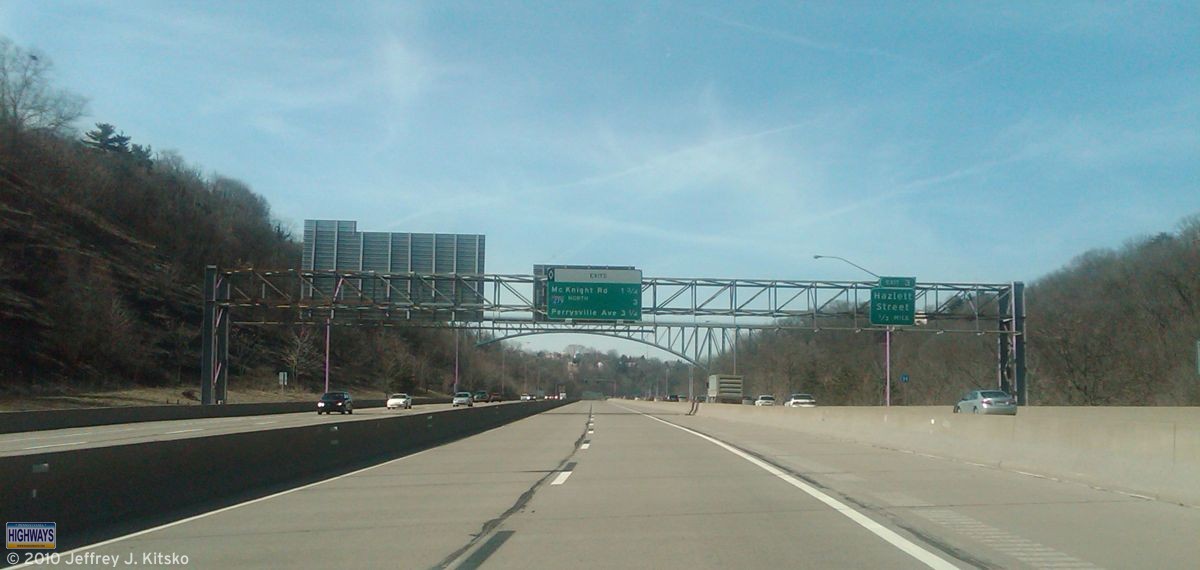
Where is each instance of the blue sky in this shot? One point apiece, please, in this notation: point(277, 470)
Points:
point(950, 141)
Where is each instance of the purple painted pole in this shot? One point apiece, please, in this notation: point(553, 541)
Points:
point(888, 356)
point(329, 330)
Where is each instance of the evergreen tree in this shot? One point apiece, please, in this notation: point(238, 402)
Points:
point(106, 138)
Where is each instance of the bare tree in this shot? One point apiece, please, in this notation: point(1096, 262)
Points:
point(300, 352)
point(27, 100)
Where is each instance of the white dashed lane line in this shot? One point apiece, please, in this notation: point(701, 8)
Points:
point(74, 434)
point(585, 445)
point(562, 477)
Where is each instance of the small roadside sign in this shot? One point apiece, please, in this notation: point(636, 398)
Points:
point(904, 378)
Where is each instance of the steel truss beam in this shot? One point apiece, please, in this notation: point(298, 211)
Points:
point(693, 319)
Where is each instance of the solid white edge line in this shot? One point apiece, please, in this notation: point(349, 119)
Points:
point(229, 508)
point(907, 546)
point(45, 437)
point(54, 445)
point(562, 478)
point(183, 431)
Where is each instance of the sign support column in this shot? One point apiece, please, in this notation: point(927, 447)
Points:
point(887, 397)
point(207, 336)
point(893, 302)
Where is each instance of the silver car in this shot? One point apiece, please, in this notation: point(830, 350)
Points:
point(987, 402)
point(801, 401)
point(462, 399)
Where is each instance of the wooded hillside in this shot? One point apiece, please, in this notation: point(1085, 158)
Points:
point(1111, 328)
point(103, 243)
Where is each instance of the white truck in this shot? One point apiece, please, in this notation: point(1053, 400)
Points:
point(725, 388)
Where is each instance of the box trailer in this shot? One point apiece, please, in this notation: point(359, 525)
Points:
point(726, 388)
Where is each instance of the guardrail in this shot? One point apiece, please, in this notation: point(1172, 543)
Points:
point(93, 488)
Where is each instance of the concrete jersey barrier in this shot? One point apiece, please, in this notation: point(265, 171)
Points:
point(16, 422)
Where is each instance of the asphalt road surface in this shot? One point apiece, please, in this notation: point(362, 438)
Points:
point(601, 485)
point(119, 434)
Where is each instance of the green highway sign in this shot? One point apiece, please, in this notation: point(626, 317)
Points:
point(898, 282)
point(894, 305)
point(594, 294)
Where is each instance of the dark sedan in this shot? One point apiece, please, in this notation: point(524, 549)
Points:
point(331, 402)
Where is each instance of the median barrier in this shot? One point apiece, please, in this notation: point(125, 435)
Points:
point(1152, 451)
point(16, 422)
point(93, 488)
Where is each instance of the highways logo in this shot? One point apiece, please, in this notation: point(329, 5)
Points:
point(30, 535)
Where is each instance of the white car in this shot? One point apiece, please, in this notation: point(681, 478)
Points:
point(399, 401)
point(526, 397)
point(765, 400)
point(801, 401)
point(462, 399)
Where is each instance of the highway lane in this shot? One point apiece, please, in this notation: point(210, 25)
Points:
point(26, 443)
point(411, 512)
point(997, 518)
point(599, 485)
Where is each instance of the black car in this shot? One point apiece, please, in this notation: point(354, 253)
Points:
point(335, 402)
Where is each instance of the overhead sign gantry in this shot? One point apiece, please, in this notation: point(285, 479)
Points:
point(692, 318)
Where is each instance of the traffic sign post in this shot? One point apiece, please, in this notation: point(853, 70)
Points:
point(893, 302)
point(594, 294)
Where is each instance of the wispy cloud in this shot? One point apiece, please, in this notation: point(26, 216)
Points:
point(810, 43)
point(665, 159)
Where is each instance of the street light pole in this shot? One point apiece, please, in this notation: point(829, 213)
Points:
point(887, 350)
point(873, 274)
point(691, 392)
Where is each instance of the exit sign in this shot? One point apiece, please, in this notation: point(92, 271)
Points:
point(898, 282)
point(894, 301)
point(597, 294)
